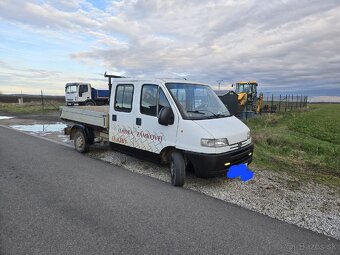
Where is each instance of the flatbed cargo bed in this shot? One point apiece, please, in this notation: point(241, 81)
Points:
point(92, 115)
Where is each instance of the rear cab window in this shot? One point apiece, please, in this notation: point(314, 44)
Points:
point(123, 97)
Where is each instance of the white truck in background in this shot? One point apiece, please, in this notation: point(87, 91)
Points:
point(173, 121)
point(77, 93)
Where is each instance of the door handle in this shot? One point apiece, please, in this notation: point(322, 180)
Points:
point(114, 117)
point(138, 121)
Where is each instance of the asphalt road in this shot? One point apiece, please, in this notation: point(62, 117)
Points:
point(54, 200)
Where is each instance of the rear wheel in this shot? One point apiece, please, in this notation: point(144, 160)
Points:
point(177, 169)
point(80, 143)
point(90, 103)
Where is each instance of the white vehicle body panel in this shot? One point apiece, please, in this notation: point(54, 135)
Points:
point(74, 97)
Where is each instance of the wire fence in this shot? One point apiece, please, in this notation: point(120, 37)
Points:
point(283, 103)
point(45, 101)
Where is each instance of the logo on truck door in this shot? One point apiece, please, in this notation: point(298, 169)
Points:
point(140, 139)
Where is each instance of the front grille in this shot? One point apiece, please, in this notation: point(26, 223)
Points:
point(236, 146)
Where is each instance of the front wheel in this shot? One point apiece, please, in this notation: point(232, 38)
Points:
point(177, 169)
point(80, 143)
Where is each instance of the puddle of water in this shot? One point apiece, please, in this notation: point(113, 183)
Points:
point(5, 117)
point(41, 128)
point(64, 138)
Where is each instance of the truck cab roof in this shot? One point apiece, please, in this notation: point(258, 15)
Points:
point(164, 80)
point(76, 83)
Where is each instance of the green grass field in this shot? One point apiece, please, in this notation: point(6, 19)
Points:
point(304, 143)
point(29, 107)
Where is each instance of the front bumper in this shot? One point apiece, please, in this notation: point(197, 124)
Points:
point(210, 165)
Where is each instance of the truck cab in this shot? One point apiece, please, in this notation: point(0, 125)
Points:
point(249, 88)
point(183, 122)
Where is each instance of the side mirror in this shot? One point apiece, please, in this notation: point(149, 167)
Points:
point(166, 116)
point(232, 85)
point(80, 94)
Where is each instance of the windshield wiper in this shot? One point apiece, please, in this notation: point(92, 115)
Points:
point(199, 112)
point(213, 115)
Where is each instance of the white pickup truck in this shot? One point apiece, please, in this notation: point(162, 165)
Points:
point(172, 121)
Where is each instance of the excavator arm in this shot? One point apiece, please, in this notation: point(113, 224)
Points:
point(259, 103)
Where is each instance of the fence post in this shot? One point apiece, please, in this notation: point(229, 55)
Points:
point(271, 107)
point(280, 103)
point(287, 101)
point(42, 101)
point(291, 103)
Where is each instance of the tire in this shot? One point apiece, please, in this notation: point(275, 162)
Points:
point(80, 143)
point(177, 169)
point(89, 103)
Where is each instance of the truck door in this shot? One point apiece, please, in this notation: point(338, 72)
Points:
point(122, 115)
point(149, 134)
point(84, 92)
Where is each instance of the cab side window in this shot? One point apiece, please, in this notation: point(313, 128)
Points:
point(148, 103)
point(83, 89)
point(153, 100)
point(123, 98)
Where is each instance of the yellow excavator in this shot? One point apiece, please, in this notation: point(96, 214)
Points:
point(247, 96)
point(243, 101)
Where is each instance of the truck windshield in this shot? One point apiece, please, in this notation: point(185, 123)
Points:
point(70, 89)
point(196, 101)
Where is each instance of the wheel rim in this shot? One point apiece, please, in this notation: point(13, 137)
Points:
point(79, 142)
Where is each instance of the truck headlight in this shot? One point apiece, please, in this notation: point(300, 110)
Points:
point(248, 135)
point(214, 142)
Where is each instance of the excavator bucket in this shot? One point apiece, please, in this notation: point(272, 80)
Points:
point(231, 101)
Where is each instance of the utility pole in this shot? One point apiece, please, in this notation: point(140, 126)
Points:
point(219, 84)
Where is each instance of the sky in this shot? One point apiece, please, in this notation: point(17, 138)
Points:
point(286, 46)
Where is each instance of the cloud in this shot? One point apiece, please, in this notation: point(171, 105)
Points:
point(279, 43)
point(46, 16)
point(31, 80)
point(284, 45)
